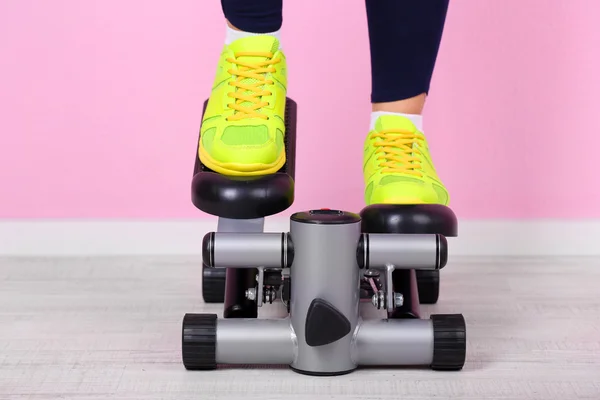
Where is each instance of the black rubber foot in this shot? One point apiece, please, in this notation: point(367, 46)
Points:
point(199, 341)
point(428, 282)
point(449, 342)
point(213, 284)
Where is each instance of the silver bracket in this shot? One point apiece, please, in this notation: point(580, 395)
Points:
point(389, 287)
point(259, 289)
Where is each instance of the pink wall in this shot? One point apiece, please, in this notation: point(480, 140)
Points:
point(100, 102)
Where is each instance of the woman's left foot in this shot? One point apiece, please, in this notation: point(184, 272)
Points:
point(397, 165)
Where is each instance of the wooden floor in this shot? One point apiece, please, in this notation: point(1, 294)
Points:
point(110, 329)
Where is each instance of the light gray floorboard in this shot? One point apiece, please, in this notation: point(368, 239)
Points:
point(110, 329)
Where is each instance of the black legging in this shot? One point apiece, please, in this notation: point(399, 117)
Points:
point(404, 37)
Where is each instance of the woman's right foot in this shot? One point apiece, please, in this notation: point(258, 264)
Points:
point(243, 126)
point(397, 165)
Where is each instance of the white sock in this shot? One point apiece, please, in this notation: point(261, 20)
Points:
point(231, 35)
point(416, 119)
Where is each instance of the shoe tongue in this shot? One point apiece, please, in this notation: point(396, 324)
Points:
point(255, 44)
point(391, 122)
point(395, 122)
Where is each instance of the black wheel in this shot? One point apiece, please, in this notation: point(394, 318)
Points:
point(449, 342)
point(428, 282)
point(213, 284)
point(199, 341)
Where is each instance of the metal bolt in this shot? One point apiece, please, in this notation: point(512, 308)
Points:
point(251, 294)
point(398, 300)
point(270, 295)
point(375, 300)
point(371, 273)
point(378, 300)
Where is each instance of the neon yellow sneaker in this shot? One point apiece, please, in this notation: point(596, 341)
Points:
point(243, 128)
point(397, 165)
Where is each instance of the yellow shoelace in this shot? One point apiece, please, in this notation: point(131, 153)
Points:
point(397, 152)
point(250, 92)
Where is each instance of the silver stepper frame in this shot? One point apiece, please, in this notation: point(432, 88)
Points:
point(326, 255)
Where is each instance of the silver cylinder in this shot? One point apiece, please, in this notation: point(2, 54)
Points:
point(403, 251)
point(246, 250)
point(394, 342)
point(255, 341)
point(324, 267)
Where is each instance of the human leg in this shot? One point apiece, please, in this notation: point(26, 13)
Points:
point(262, 16)
point(404, 41)
point(243, 128)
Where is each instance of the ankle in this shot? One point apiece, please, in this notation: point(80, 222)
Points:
point(230, 25)
point(412, 106)
point(416, 119)
point(232, 34)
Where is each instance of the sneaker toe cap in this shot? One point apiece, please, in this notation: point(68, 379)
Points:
point(408, 193)
point(247, 145)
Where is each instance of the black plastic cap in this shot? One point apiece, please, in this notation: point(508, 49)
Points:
point(290, 250)
point(449, 342)
point(208, 249)
point(362, 253)
point(199, 341)
point(442, 245)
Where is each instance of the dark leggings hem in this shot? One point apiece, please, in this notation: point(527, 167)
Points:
point(395, 95)
point(241, 24)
